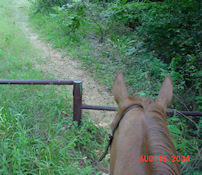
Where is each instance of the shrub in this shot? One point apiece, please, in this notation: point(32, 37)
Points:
point(45, 5)
point(69, 16)
point(171, 29)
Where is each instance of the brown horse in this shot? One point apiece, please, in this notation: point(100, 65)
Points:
point(141, 140)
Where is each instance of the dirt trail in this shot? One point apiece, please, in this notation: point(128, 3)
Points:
point(65, 68)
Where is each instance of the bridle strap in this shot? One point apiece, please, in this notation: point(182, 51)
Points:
point(111, 136)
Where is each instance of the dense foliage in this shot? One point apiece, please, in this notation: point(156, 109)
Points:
point(146, 39)
point(164, 36)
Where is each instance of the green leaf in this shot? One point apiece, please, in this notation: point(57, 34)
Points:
point(174, 119)
point(174, 129)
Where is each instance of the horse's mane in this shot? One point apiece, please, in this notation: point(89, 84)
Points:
point(159, 140)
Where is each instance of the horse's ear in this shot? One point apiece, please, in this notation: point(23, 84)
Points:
point(119, 89)
point(166, 92)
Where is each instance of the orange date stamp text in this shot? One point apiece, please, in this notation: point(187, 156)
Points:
point(163, 158)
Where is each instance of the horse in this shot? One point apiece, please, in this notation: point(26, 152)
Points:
point(141, 143)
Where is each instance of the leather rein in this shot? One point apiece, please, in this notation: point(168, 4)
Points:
point(111, 136)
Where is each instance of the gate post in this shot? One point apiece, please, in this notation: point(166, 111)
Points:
point(77, 101)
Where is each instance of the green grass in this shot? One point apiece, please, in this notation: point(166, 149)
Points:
point(37, 135)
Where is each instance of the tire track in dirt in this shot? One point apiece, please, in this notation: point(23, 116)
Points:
point(65, 68)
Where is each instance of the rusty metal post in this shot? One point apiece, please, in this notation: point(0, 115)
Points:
point(77, 101)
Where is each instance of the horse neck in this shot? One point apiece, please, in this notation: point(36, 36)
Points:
point(129, 144)
point(143, 133)
point(160, 142)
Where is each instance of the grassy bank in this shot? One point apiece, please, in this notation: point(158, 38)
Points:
point(37, 135)
point(103, 59)
point(145, 41)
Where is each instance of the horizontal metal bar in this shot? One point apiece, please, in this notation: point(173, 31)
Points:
point(104, 108)
point(187, 113)
point(38, 82)
point(169, 111)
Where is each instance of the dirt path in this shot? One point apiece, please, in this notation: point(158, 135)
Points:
point(65, 68)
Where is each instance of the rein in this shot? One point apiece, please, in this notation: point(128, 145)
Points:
point(111, 136)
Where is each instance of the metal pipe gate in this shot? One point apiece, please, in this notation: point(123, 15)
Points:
point(77, 97)
point(77, 91)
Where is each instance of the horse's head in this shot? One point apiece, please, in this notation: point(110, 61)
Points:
point(124, 100)
point(140, 128)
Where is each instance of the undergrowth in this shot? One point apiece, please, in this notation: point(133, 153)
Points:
point(102, 37)
point(37, 134)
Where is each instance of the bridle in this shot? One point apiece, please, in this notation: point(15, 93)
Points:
point(111, 136)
